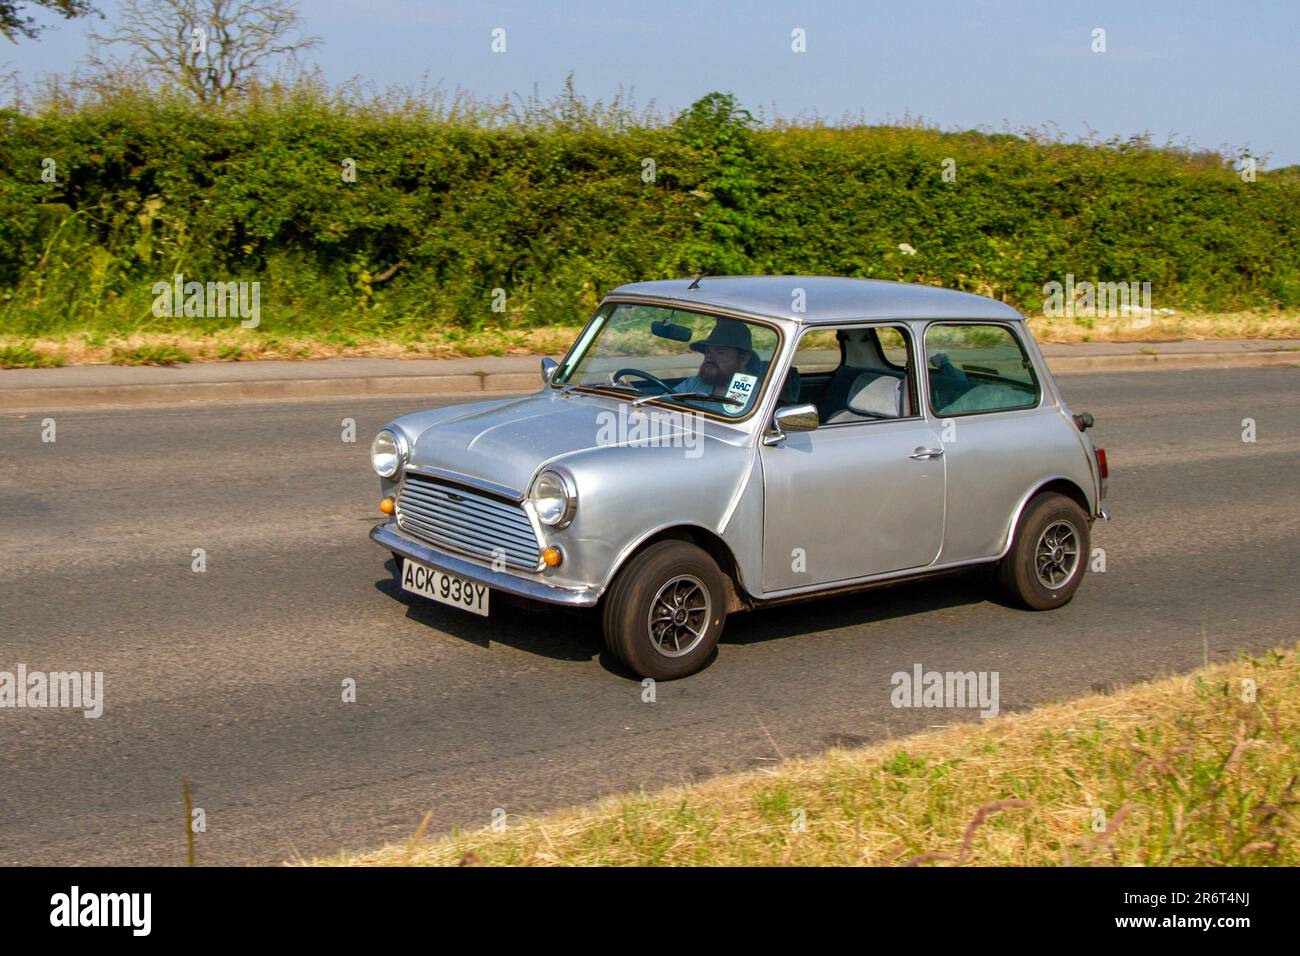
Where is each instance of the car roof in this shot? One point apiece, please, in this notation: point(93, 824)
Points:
point(827, 299)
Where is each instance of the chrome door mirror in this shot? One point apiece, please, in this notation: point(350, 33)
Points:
point(792, 418)
point(549, 365)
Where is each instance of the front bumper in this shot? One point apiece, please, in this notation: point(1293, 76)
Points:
point(389, 537)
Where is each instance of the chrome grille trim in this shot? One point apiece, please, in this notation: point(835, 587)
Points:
point(470, 523)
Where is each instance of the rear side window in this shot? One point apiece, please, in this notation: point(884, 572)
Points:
point(978, 368)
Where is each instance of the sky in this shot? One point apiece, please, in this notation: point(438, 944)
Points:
point(1205, 73)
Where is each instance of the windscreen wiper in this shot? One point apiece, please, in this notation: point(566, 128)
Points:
point(708, 396)
point(604, 385)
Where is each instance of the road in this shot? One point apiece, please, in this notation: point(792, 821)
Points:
point(232, 678)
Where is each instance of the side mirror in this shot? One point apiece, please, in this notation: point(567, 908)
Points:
point(792, 418)
point(549, 365)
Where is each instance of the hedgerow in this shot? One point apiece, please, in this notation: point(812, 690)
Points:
point(556, 207)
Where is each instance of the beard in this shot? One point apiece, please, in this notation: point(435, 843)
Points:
point(711, 374)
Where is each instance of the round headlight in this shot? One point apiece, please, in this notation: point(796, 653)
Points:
point(387, 453)
point(554, 499)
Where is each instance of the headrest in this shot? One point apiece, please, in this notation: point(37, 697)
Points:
point(860, 348)
point(876, 394)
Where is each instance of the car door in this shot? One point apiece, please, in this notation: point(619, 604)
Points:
point(862, 494)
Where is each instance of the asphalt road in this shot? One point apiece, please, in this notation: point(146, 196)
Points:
point(232, 678)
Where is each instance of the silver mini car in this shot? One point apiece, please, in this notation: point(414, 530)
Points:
point(727, 443)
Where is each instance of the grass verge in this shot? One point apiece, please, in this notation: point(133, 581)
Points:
point(1169, 327)
point(1193, 770)
point(238, 345)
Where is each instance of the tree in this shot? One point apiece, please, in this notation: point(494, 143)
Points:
point(213, 48)
point(14, 22)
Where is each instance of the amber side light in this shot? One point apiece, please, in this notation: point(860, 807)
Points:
point(552, 557)
point(386, 506)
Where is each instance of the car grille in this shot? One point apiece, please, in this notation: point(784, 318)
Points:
point(468, 522)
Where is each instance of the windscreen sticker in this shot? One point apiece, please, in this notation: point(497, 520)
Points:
point(741, 387)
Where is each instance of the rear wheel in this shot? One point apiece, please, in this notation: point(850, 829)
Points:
point(666, 610)
point(1048, 556)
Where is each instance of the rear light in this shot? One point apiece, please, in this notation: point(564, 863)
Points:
point(1103, 470)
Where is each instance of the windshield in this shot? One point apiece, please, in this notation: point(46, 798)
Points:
point(711, 363)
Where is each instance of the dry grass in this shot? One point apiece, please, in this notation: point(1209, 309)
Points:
point(238, 345)
point(1169, 327)
point(245, 345)
point(1185, 770)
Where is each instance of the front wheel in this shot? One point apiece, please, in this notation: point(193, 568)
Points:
point(1048, 556)
point(665, 611)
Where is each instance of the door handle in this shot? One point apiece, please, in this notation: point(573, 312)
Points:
point(922, 454)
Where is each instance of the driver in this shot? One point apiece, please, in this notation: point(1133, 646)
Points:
point(726, 351)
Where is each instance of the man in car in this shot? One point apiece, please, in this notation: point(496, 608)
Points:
point(727, 351)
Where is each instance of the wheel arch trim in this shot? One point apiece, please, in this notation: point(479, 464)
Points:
point(1063, 483)
point(701, 537)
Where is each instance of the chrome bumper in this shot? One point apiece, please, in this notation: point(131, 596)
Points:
point(390, 538)
point(1103, 514)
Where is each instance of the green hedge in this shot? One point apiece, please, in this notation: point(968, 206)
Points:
point(557, 214)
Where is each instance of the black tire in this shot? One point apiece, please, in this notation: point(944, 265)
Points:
point(1018, 574)
point(626, 613)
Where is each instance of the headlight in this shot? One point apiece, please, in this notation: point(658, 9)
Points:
point(388, 453)
point(554, 498)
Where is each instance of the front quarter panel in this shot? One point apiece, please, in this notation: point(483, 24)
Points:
point(628, 493)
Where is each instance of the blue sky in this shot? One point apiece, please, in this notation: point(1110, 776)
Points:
point(1217, 74)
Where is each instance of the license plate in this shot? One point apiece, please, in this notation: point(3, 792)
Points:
point(445, 588)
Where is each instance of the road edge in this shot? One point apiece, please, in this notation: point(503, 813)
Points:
point(499, 384)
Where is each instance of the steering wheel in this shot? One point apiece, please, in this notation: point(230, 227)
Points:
point(653, 380)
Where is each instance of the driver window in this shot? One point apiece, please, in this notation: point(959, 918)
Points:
point(819, 351)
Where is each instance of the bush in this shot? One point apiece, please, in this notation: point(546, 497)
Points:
point(551, 206)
